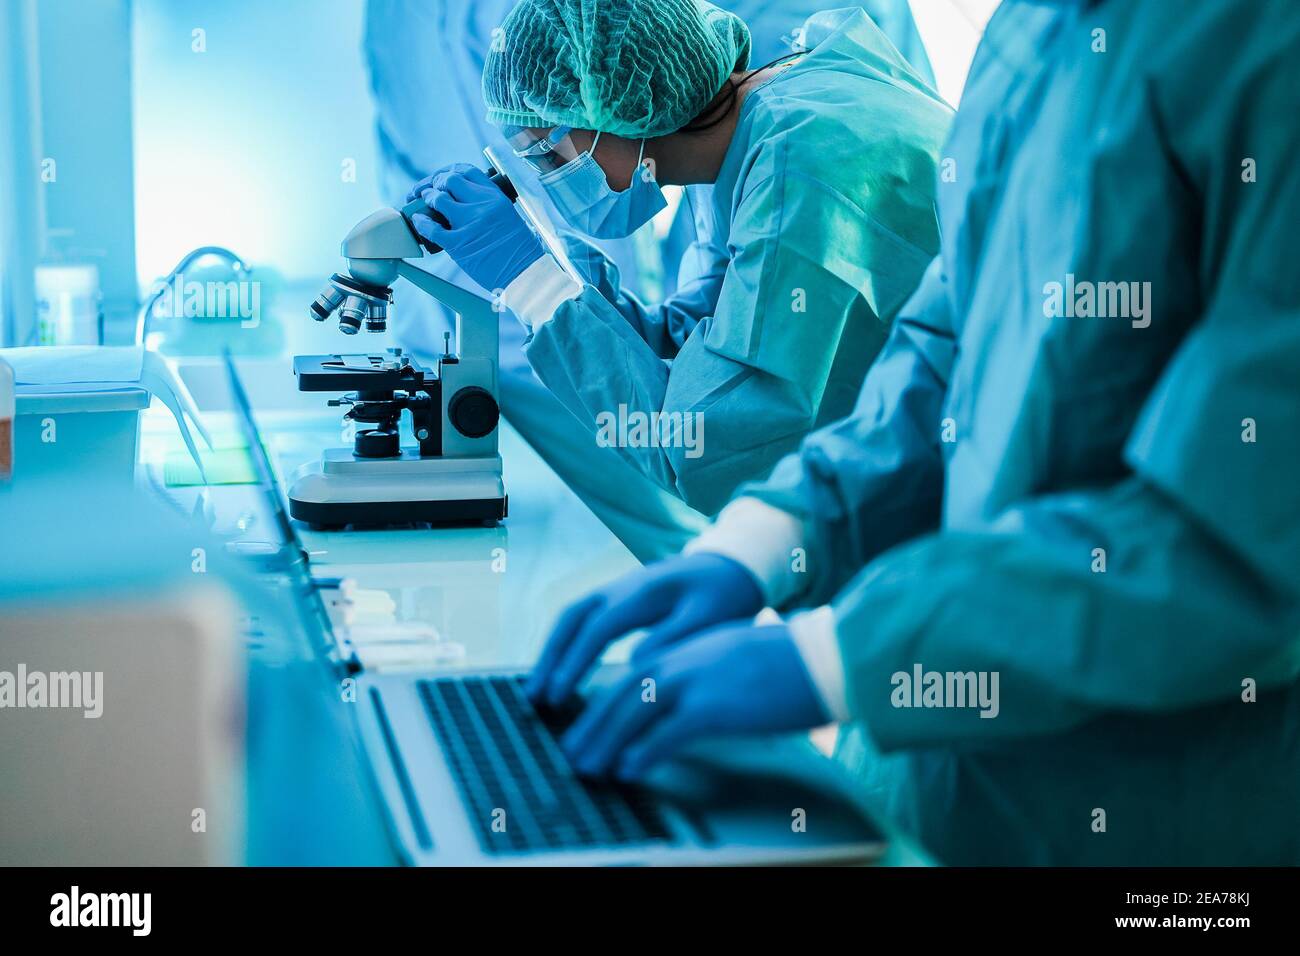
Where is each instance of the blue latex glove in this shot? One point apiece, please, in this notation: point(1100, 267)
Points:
point(739, 678)
point(675, 598)
point(484, 234)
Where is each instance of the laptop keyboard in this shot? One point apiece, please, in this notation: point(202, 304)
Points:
point(516, 783)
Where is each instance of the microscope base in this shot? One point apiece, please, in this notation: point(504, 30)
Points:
point(342, 489)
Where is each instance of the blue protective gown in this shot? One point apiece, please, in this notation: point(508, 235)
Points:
point(691, 252)
point(1097, 502)
point(826, 201)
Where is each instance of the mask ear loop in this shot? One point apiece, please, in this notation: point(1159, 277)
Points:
point(640, 156)
point(642, 163)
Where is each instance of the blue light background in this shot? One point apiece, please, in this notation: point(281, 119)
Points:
point(244, 145)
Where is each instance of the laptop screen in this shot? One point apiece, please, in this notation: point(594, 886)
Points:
point(315, 617)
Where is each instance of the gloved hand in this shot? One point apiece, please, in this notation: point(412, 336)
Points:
point(485, 236)
point(675, 598)
point(737, 678)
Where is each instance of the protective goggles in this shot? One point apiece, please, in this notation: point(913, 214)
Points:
point(545, 152)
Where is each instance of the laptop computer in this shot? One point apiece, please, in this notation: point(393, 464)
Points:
point(471, 774)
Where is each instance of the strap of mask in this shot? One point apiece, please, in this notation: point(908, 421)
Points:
point(640, 156)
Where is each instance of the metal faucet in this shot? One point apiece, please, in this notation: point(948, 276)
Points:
point(146, 308)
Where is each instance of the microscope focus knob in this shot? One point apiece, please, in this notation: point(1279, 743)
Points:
point(473, 411)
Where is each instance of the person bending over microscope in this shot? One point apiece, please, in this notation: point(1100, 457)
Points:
point(823, 167)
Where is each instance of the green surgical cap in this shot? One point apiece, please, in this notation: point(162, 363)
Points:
point(634, 68)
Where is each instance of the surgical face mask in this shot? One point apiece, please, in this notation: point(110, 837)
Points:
point(584, 198)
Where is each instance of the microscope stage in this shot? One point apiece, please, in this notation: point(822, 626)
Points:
point(359, 372)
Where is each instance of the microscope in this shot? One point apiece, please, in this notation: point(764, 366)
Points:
point(452, 474)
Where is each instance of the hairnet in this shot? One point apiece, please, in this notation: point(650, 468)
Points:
point(634, 68)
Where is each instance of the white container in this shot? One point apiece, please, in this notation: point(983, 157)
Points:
point(91, 435)
point(6, 420)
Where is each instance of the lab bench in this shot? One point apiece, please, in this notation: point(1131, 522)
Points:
point(414, 597)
